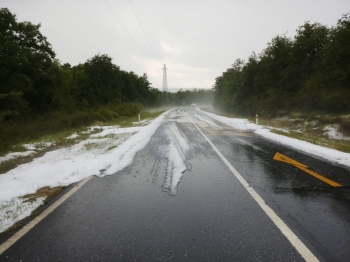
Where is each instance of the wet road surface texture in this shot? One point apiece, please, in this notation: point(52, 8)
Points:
point(134, 215)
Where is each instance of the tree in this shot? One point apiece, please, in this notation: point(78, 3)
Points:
point(25, 67)
point(103, 83)
point(311, 71)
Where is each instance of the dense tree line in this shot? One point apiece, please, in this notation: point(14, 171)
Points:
point(188, 97)
point(309, 72)
point(33, 82)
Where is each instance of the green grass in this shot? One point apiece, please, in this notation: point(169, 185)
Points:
point(14, 138)
point(90, 146)
point(56, 126)
point(128, 121)
point(310, 126)
point(19, 148)
point(111, 147)
point(340, 145)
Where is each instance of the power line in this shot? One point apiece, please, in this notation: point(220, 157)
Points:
point(135, 13)
point(125, 28)
point(133, 7)
point(139, 21)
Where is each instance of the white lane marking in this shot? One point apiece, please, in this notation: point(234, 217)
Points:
point(44, 214)
point(286, 231)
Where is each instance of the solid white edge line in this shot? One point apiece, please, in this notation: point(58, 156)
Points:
point(286, 231)
point(8, 243)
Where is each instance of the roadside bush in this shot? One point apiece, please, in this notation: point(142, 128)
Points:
point(128, 109)
point(21, 131)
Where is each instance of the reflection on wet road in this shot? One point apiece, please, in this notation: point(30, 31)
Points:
point(178, 201)
point(317, 212)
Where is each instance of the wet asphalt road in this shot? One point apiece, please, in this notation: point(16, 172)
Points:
point(130, 217)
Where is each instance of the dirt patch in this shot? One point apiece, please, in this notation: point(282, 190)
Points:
point(47, 192)
point(13, 227)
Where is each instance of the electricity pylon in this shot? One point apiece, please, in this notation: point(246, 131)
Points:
point(165, 86)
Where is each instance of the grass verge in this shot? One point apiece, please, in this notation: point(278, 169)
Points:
point(308, 127)
point(48, 133)
point(311, 128)
point(57, 125)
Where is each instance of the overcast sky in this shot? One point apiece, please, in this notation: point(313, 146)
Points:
point(197, 40)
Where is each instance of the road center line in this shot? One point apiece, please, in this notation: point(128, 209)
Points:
point(286, 231)
point(40, 217)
